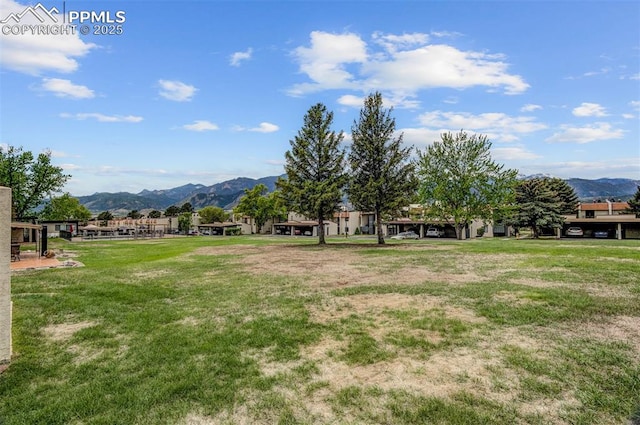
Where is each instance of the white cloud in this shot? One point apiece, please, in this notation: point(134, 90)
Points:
point(65, 88)
point(495, 125)
point(33, 54)
point(399, 64)
point(602, 71)
point(351, 100)
point(587, 109)
point(529, 107)
point(238, 57)
point(420, 136)
point(393, 43)
point(635, 104)
point(441, 65)
point(200, 125)
point(176, 90)
point(628, 116)
point(71, 167)
point(324, 62)
point(635, 76)
point(102, 118)
point(513, 153)
point(586, 134)
point(265, 127)
point(451, 100)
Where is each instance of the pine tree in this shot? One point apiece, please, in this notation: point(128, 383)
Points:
point(315, 169)
point(566, 194)
point(634, 204)
point(538, 206)
point(382, 177)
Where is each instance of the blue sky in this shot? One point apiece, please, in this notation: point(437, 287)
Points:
point(202, 92)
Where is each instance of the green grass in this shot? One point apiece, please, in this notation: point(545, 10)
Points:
point(447, 332)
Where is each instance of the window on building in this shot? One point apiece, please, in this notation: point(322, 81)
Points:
point(590, 214)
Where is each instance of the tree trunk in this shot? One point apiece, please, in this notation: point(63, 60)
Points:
point(459, 230)
point(321, 240)
point(379, 228)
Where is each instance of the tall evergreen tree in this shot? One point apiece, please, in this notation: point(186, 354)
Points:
point(634, 204)
point(382, 176)
point(459, 182)
point(315, 169)
point(538, 206)
point(566, 194)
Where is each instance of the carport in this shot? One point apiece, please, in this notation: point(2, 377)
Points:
point(299, 228)
point(619, 227)
point(218, 228)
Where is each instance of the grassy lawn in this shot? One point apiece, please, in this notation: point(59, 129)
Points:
point(267, 330)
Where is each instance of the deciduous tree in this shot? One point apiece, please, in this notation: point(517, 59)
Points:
point(315, 169)
point(184, 222)
point(260, 205)
point(459, 182)
point(105, 217)
point(212, 215)
point(30, 178)
point(186, 208)
point(172, 211)
point(65, 207)
point(382, 175)
point(134, 214)
point(154, 214)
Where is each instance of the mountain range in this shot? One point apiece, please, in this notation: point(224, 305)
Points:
point(227, 194)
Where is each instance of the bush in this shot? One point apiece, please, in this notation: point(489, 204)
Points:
point(236, 231)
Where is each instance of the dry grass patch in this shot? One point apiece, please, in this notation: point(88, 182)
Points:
point(151, 274)
point(62, 332)
point(624, 329)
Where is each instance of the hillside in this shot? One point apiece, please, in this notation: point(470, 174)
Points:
point(622, 189)
point(227, 194)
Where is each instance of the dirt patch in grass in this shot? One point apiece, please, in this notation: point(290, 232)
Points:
point(64, 331)
point(333, 266)
point(624, 329)
point(596, 289)
point(443, 374)
point(198, 419)
point(374, 305)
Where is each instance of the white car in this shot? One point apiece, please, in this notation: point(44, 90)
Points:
point(574, 231)
point(434, 232)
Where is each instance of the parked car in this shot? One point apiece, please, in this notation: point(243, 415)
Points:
point(603, 234)
point(574, 231)
point(434, 232)
point(406, 235)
